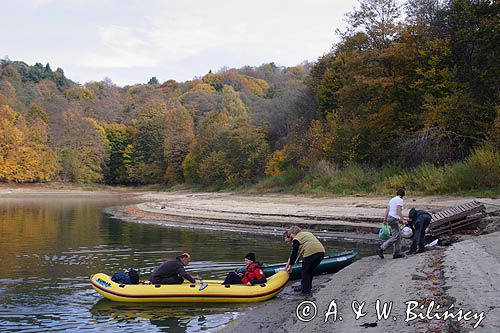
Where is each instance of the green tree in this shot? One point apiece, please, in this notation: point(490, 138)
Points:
point(148, 160)
point(378, 19)
point(228, 149)
point(120, 139)
point(153, 81)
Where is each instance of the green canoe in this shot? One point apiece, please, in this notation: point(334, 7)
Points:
point(330, 264)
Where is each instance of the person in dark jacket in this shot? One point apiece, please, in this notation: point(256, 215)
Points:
point(420, 219)
point(253, 273)
point(306, 246)
point(172, 271)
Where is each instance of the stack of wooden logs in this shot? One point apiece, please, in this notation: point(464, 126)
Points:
point(448, 220)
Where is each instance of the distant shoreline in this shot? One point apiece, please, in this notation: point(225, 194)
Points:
point(350, 218)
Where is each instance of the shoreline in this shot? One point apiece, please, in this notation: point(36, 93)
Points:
point(465, 274)
point(355, 219)
point(419, 289)
point(131, 214)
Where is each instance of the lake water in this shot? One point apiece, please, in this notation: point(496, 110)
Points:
point(51, 245)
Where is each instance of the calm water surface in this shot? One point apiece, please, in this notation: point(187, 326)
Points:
point(50, 246)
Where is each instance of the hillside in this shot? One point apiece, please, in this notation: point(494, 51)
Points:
point(411, 102)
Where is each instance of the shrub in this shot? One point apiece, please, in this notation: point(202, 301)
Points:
point(287, 179)
point(480, 171)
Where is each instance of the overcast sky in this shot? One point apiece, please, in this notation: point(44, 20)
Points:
point(131, 41)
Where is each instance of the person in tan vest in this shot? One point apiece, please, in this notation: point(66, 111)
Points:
point(306, 246)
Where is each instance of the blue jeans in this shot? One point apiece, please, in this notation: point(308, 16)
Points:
point(421, 223)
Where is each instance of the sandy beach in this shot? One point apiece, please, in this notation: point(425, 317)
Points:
point(461, 279)
point(353, 218)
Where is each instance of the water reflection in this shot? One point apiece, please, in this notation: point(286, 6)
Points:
point(50, 246)
point(167, 317)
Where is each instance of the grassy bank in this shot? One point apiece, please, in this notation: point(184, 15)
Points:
point(479, 174)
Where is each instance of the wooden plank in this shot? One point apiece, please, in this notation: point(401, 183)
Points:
point(464, 207)
point(442, 215)
point(442, 227)
point(456, 213)
point(445, 214)
point(450, 218)
point(458, 216)
point(453, 227)
point(459, 222)
point(471, 205)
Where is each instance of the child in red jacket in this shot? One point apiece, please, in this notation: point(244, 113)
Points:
point(253, 273)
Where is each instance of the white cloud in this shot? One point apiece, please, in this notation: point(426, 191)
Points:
point(120, 47)
point(171, 39)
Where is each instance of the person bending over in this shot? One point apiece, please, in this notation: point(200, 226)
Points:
point(420, 220)
point(307, 246)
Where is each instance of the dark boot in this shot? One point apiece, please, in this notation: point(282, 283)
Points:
point(380, 252)
point(398, 255)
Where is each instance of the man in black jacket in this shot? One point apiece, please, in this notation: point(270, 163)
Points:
point(420, 220)
point(172, 271)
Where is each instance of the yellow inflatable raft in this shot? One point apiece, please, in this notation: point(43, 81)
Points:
point(212, 290)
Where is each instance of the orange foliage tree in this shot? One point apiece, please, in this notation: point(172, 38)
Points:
point(24, 155)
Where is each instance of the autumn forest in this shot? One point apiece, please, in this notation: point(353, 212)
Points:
point(408, 96)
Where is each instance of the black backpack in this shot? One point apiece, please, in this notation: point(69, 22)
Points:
point(130, 277)
point(134, 276)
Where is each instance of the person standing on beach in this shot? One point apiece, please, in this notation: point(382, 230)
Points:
point(394, 216)
point(306, 246)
